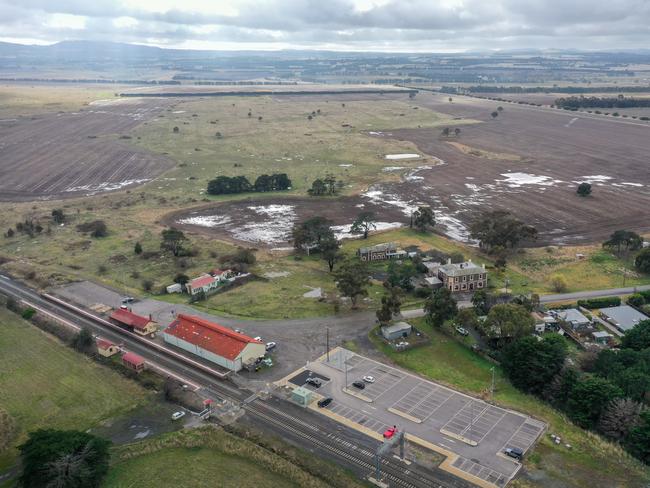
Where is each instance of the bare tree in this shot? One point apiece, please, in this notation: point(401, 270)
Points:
point(619, 417)
point(70, 469)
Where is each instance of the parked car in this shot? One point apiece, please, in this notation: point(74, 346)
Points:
point(359, 384)
point(369, 379)
point(270, 345)
point(178, 415)
point(314, 382)
point(128, 299)
point(324, 402)
point(514, 452)
point(462, 331)
point(258, 338)
point(239, 331)
point(390, 432)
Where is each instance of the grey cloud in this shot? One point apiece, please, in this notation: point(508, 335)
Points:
point(397, 24)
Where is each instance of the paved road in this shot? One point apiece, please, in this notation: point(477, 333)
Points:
point(592, 294)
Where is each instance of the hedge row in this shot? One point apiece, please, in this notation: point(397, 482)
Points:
point(603, 302)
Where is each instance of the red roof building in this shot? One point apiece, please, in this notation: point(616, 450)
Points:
point(137, 323)
point(132, 361)
point(213, 342)
point(203, 283)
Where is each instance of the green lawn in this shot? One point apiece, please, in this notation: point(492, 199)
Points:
point(208, 456)
point(282, 296)
point(590, 462)
point(46, 384)
point(194, 467)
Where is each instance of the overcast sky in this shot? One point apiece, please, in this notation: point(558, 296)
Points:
point(379, 25)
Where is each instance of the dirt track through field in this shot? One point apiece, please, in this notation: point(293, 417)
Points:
point(76, 153)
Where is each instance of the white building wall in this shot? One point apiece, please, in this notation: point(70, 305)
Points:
point(252, 351)
point(198, 351)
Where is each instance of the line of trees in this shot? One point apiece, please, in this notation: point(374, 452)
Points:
point(544, 89)
point(224, 185)
point(601, 102)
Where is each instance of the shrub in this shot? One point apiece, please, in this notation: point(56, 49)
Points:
point(602, 302)
point(559, 283)
point(423, 292)
point(147, 285)
point(28, 313)
point(96, 228)
point(636, 300)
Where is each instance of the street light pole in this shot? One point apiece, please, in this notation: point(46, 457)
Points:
point(328, 344)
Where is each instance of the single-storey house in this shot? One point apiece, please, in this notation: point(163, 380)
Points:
point(205, 284)
point(213, 342)
point(381, 252)
point(396, 331)
point(134, 322)
point(132, 361)
point(623, 317)
point(601, 337)
point(106, 348)
point(572, 317)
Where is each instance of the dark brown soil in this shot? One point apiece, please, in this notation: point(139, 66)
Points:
point(564, 146)
point(70, 154)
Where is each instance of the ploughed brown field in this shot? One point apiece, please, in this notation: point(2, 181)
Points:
point(530, 160)
point(57, 155)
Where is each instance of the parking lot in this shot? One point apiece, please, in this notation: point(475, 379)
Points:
point(476, 432)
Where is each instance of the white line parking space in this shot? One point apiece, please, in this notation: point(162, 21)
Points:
point(477, 432)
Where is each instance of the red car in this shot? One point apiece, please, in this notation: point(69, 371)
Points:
point(390, 432)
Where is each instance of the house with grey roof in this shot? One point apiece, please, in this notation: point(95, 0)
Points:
point(572, 317)
point(381, 252)
point(466, 276)
point(623, 317)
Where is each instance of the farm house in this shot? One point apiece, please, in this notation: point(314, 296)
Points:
point(213, 342)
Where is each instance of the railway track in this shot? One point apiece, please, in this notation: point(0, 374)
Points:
point(361, 458)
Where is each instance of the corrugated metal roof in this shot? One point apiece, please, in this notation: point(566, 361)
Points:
point(202, 281)
point(129, 318)
point(104, 344)
point(212, 337)
point(132, 358)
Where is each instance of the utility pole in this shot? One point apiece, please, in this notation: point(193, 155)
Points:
point(328, 344)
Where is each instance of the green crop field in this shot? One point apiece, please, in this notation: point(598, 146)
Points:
point(43, 383)
point(591, 461)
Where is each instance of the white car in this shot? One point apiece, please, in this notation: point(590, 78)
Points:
point(178, 415)
point(270, 345)
point(258, 338)
point(369, 379)
point(462, 331)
